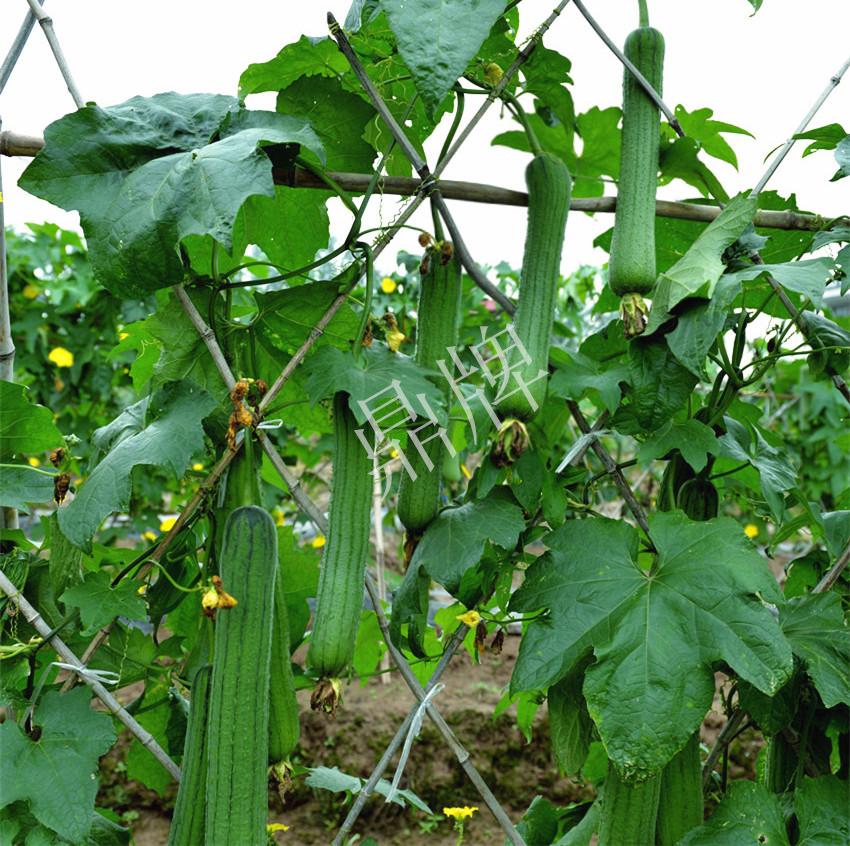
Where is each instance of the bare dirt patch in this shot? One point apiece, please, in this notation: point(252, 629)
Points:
point(357, 735)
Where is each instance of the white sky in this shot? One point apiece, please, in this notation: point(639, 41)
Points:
point(761, 72)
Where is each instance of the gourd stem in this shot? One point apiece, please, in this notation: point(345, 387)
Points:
point(644, 13)
point(367, 303)
point(519, 113)
point(332, 184)
point(459, 104)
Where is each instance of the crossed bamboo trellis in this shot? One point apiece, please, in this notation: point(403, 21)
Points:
point(426, 187)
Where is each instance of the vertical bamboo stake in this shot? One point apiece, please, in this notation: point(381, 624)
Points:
point(8, 516)
point(7, 348)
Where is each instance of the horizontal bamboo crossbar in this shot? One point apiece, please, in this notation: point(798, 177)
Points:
point(13, 144)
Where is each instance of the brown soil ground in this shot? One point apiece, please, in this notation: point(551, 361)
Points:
point(355, 738)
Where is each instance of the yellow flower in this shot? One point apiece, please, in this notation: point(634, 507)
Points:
point(167, 524)
point(388, 285)
point(149, 535)
point(318, 542)
point(460, 813)
point(271, 828)
point(471, 618)
point(751, 530)
point(209, 601)
point(31, 291)
point(61, 357)
point(395, 338)
point(143, 589)
point(33, 461)
point(122, 335)
point(393, 453)
point(278, 517)
point(197, 466)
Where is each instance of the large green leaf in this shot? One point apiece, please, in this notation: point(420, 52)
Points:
point(697, 272)
point(749, 815)
point(141, 765)
point(577, 375)
point(821, 808)
point(657, 636)
point(658, 386)
point(286, 317)
point(782, 244)
point(699, 125)
point(454, 540)
point(22, 486)
point(776, 470)
point(99, 603)
point(815, 628)
point(305, 57)
point(438, 38)
point(693, 439)
point(24, 427)
point(698, 323)
point(290, 228)
point(338, 117)
point(182, 352)
point(88, 153)
point(173, 433)
point(830, 344)
point(56, 774)
point(150, 172)
point(134, 246)
point(836, 525)
point(570, 725)
point(679, 159)
point(299, 573)
point(377, 377)
point(547, 73)
point(129, 422)
point(600, 149)
point(842, 157)
point(30, 832)
point(410, 608)
point(772, 713)
point(808, 277)
point(600, 152)
point(65, 565)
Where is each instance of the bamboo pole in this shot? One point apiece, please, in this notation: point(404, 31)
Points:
point(629, 65)
point(17, 47)
point(15, 144)
point(8, 516)
point(780, 156)
point(112, 704)
point(320, 521)
point(611, 466)
point(46, 23)
point(398, 738)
